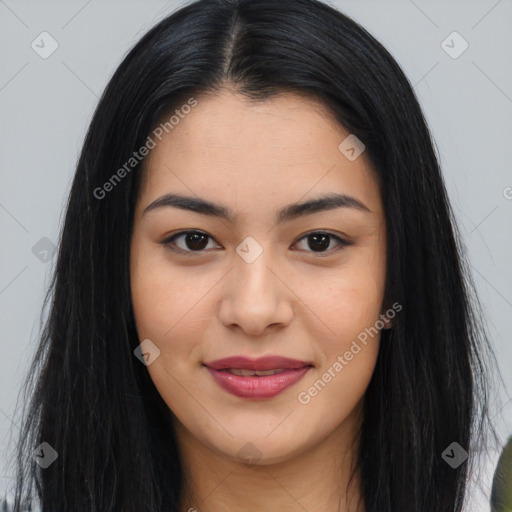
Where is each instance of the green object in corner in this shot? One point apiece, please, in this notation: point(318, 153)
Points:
point(501, 494)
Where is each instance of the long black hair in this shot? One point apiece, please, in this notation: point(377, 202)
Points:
point(91, 399)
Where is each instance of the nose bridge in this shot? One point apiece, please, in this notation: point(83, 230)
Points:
point(255, 298)
point(252, 273)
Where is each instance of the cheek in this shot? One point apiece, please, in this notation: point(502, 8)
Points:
point(160, 305)
point(350, 308)
point(150, 301)
point(168, 304)
point(158, 295)
point(349, 303)
point(152, 297)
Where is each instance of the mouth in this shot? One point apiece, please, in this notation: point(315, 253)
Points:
point(260, 378)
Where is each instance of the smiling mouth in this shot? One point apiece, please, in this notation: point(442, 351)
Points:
point(257, 379)
point(258, 384)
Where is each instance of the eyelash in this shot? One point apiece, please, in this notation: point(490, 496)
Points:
point(170, 242)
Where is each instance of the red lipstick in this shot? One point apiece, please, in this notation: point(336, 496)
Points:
point(243, 377)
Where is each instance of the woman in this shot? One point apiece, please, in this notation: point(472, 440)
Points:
point(261, 301)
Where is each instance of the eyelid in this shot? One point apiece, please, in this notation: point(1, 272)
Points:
point(342, 242)
point(168, 241)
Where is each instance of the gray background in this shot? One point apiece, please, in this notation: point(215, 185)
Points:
point(46, 105)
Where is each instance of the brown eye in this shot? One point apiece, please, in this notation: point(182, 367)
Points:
point(194, 241)
point(190, 241)
point(320, 241)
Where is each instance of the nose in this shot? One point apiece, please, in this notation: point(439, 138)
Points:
point(257, 299)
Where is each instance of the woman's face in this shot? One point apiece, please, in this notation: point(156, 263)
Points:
point(269, 278)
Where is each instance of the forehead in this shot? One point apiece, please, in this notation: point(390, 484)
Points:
point(286, 146)
point(286, 124)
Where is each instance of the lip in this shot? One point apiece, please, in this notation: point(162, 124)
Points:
point(261, 363)
point(257, 387)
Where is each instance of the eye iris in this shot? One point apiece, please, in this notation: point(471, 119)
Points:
point(194, 242)
point(320, 241)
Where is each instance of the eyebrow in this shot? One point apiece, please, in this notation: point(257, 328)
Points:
point(288, 213)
